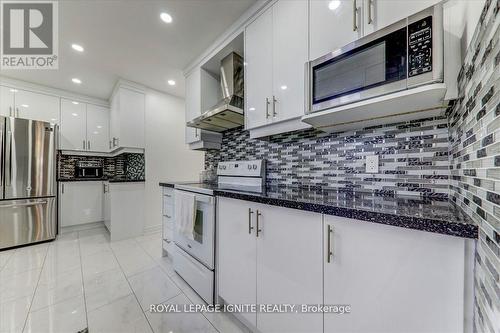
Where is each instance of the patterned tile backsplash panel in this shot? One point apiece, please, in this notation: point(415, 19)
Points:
point(124, 166)
point(413, 157)
point(475, 160)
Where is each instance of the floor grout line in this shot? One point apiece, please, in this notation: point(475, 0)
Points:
point(36, 288)
point(83, 280)
point(132, 289)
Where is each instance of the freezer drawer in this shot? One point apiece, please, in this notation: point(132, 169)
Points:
point(27, 221)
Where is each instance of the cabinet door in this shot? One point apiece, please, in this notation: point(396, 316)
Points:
point(237, 254)
point(36, 106)
point(389, 274)
point(259, 70)
point(81, 202)
point(386, 12)
point(289, 58)
point(332, 25)
point(132, 111)
point(73, 125)
point(289, 267)
point(97, 128)
point(114, 120)
point(106, 206)
point(6, 101)
point(193, 103)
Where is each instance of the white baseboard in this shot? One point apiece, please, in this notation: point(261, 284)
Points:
point(80, 227)
point(152, 229)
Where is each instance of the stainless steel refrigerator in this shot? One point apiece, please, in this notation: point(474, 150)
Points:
point(27, 181)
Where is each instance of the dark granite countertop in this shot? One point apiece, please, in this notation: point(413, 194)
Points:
point(172, 184)
point(111, 180)
point(433, 215)
point(427, 214)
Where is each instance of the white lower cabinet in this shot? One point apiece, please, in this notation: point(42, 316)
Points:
point(167, 197)
point(280, 265)
point(126, 202)
point(394, 279)
point(80, 202)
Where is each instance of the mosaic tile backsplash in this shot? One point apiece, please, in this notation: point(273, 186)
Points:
point(124, 166)
point(475, 160)
point(413, 157)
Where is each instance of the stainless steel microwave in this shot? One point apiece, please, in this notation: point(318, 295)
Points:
point(403, 55)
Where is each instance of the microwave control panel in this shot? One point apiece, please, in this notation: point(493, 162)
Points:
point(420, 47)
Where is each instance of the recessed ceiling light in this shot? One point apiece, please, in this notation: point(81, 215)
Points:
point(76, 80)
point(95, 132)
point(75, 102)
point(165, 17)
point(14, 90)
point(25, 105)
point(171, 82)
point(283, 87)
point(74, 114)
point(334, 4)
point(252, 109)
point(99, 127)
point(77, 47)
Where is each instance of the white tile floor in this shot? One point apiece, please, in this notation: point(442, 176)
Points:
point(83, 280)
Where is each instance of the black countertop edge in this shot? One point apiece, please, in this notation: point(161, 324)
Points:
point(102, 180)
point(465, 230)
point(127, 180)
point(171, 184)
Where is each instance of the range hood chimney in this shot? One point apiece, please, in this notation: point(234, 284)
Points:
point(228, 113)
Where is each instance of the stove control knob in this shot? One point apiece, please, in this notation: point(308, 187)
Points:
point(249, 167)
point(255, 166)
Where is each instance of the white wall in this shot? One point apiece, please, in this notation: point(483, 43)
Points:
point(167, 156)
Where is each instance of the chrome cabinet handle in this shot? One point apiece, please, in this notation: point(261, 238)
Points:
point(250, 212)
point(88, 144)
point(17, 112)
point(195, 132)
point(354, 16)
point(258, 227)
point(103, 188)
point(168, 216)
point(62, 188)
point(10, 111)
point(370, 18)
point(109, 144)
point(83, 144)
point(329, 251)
point(168, 242)
point(267, 107)
point(274, 106)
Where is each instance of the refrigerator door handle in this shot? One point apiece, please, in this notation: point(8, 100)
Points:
point(8, 159)
point(24, 204)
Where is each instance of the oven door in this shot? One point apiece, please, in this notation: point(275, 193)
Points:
point(371, 66)
point(202, 245)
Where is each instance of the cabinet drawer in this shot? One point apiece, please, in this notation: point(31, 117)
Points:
point(168, 232)
point(168, 210)
point(168, 192)
point(168, 245)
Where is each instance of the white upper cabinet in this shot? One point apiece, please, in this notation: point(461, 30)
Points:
point(84, 127)
point(127, 119)
point(73, 125)
point(97, 128)
point(259, 70)
point(193, 103)
point(289, 58)
point(333, 24)
point(6, 101)
point(381, 13)
point(30, 105)
point(275, 56)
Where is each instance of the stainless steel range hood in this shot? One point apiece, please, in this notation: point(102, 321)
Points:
point(228, 113)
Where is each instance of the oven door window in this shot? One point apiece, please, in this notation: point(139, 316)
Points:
point(198, 226)
point(375, 63)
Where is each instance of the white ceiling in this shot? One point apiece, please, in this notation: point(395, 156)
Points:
point(126, 39)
